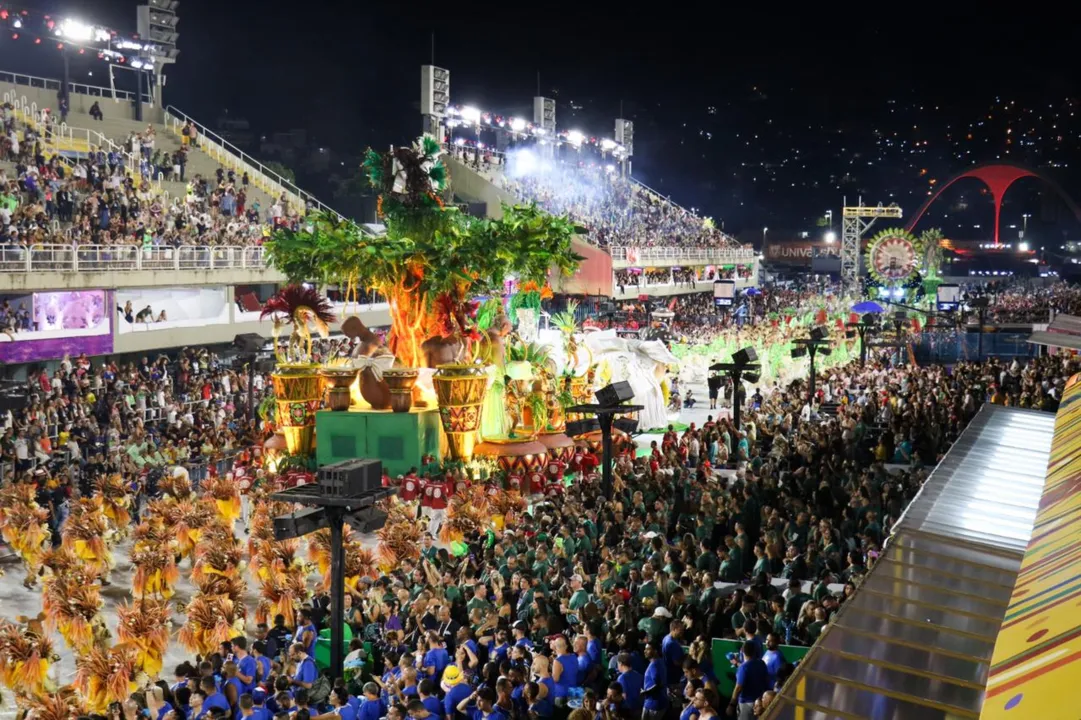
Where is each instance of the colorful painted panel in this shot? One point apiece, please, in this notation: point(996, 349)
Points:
point(1036, 666)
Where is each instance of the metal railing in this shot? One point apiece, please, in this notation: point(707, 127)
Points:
point(12, 78)
point(713, 255)
point(230, 156)
point(127, 258)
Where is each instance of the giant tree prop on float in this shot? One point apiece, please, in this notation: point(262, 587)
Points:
point(433, 259)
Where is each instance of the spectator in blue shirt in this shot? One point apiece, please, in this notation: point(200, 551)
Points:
point(654, 685)
point(456, 689)
point(773, 658)
point(262, 661)
point(752, 680)
point(306, 672)
point(339, 702)
point(245, 663)
point(214, 699)
point(426, 691)
point(306, 632)
point(372, 707)
point(631, 682)
point(436, 658)
point(486, 709)
point(672, 650)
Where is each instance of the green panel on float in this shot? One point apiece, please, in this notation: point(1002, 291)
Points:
point(399, 440)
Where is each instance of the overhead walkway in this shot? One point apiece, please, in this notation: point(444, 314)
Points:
point(915, 641)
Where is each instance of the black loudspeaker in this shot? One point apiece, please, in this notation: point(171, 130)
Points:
point(249, 342)
point(746, 356)
point(368, 520)
point(351, 478)
point(626, 424)
point(299, 523)
point(818, 333)
point(582, 427)
point(615, 394)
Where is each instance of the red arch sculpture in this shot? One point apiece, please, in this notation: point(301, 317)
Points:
point(997, 177)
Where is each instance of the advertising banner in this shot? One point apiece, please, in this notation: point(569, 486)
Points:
point(801, 252)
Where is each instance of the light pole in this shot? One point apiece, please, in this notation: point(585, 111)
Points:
point(829, 219)
point(817, 342)
point(764, 231)
point(1024, 224)
point(867, 325)
point(899, 319)
point(744, 366)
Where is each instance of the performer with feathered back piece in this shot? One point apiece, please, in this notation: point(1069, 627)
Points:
point(87, 534)
point(211, 620)
point(116, 503)
point(153, 555)
point(64, 704)
point(106, 676)
point(223, 489)
point(145, 626)
point(296, 306)
point(72, 604)
point(23, 524)
point(25, 656)
point(399, 538)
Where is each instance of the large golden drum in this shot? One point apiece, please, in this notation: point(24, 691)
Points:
point(298, 393)
point(460, 390)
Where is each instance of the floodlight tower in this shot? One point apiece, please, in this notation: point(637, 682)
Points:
point(434, 98)
point(544, 117)
point(856, 220)
point(625, 137)
point(157, 25)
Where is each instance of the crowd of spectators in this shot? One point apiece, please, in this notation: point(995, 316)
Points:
point(601, 605)
point(101, 199)
point(616, 212)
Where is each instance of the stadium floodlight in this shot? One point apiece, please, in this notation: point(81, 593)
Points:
point(471, 114)
point(517, 124)
point(575, 138)
point(75, 31)
point(1022, 246)
point(607, 144)
point(831, 237)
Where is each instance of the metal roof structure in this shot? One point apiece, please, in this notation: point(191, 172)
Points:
point(1055, 339)
point(915, 640)
point(1063, 323)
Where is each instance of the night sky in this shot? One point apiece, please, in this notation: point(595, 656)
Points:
point(755, 117)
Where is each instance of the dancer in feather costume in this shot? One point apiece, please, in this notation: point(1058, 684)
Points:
point(116, 502)
point(282, 594)
point(223, 489)
point(72, 603)
point(25, 656)
point(64, 704)
point(145, 626)
point(87, 534)
point(106, 676)
point(23, 524)
point(175, 484)
point(153, 555)
point(399, 538)
point(211, 620)
point(468, 512)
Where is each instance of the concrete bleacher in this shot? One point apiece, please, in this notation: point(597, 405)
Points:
point(118, 130)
